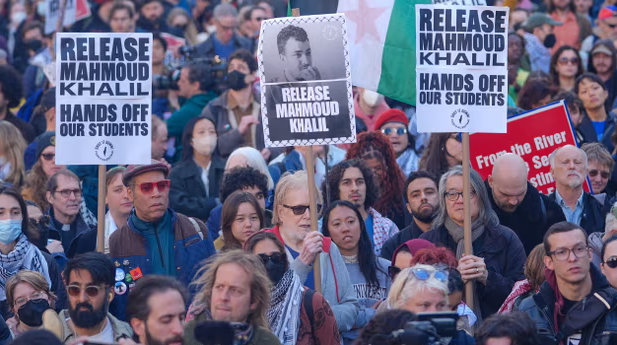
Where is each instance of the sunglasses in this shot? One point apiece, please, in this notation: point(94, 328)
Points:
point(565, 61)
point(604, 174)
point(43, 221)
point(91, 290)
point(611, 262)
point(393, 271)
point(612, 26)
point(276, 258)
point(300, 209)
point(148, 187)
point(48, 156)
point(399, 131)
point(422, 274)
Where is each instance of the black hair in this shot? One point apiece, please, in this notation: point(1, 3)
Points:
point(6, 189)
point(11, 85)
point(517, 326)
point(200, 73)
point(380, 328)
point(246, 56)
point(137, 306)
point(187, 137)
point(288, 32)
point(608, 43)
point(37, 337)
point(99, 265)
point(560, 228)
point(589, 77)
point(239, 178)
point(572, 100)
point(119, 6)
point(605, 244)
point(157, 37)
point(416, 175)
point(555, 60)
point(366, 256)
point(336, 175)
point(455, 281)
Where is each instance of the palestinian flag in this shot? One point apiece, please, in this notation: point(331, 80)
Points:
point(312, 7)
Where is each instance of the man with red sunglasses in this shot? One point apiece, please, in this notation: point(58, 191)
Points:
point(155, 239)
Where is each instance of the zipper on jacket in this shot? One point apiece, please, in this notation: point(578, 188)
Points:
point(156, 235)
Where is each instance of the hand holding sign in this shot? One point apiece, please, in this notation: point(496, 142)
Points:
point(246, 122)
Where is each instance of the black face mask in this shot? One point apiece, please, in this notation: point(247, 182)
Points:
point(31, 313)
point(33, 45)
point(550, 40)
point(235, 80)
point(275, 271)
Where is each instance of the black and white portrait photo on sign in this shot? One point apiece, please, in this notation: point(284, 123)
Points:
point(306, 81)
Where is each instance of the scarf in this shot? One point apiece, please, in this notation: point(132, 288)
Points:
point(408, 161)
point(457, 233)
point(25, 256)
point(520, 288)
point(284, 312)
point(160, 238)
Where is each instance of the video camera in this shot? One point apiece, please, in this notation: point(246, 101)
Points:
point(428, 329)
point(220, 332)
point(217, 70)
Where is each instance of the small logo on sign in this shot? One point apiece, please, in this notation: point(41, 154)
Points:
point(460, 118)
point(104, 150)
point(330, 32)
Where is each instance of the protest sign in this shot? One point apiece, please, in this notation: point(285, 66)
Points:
point(461, 2)
point(103, 98)
point(533, 135)
point(53, 12)
point(306, 96)
point(461, 68)
point(82, 10)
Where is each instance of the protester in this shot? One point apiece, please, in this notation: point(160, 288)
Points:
point(234, 287)
point(196, 179)
point(180, 21)
point(12, 146)
point(566, 66)
point(598, 125)
point(518, 204)
point(342, 222)
point(290, 323)
point(38, 231)
point(156, 310)
point(498, 253)
point(534, 277)
point(368, 105)
point(28, 296)
point(444, 151)
point(604, 29)
point(514, 328)
point(164, 97)
point(571, 284)
point(575, 27)
point(242, 216)
point(403, 255)
point(236, 112)
point(159, 139)
point(576, 111)
point(294, 159)
point(393, 123)
point(122, 18)
point(539, 39)
point(43, 169)
point(352, 181)
point(90, 282)
point(384, 324)
point(422, 201)
point(98, 21)
point(244, 179)
point(377, 153)
point(225, 40)
point(608, 254)
point(600, 167)
point(151, 17)
point(182, 241)
point(47, 107)
point(303, 245)
point(534, 94)
point(10, 97)
point(569, 168)
point(249, 156)
point(118, 204)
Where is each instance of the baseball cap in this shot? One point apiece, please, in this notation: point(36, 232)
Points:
point(539, 19)
point(607, 12)
point(601, 48)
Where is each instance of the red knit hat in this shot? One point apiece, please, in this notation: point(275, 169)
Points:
point(391, 115)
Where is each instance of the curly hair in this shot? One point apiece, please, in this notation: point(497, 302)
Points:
point(240, 178)
point(377, 330)
point(376, 145)
point(36, 186)
point(434, 256)
point(11, 85)
point(336, 175)
point(517, 326)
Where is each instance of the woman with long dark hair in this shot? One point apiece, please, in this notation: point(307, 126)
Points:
point(369, 274)
point(444, 151)
point(241, 218)
point(566, 66)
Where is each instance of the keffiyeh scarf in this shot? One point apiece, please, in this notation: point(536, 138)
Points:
point(25, 256)
point(284, 312)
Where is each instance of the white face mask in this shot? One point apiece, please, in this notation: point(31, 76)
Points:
point(371, 98)
point(41, 9)
point(204, 145)
point(18, 17)
point(211, 29)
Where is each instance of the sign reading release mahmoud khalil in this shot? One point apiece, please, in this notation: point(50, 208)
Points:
point(306, 96)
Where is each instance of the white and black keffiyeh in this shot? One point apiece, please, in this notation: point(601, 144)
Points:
point(25, 256)
point(284, 312)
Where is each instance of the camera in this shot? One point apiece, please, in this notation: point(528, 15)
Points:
point(428, 329)
point(166, 82)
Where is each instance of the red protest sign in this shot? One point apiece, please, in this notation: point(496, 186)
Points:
point(533, 135)
point(82, 10)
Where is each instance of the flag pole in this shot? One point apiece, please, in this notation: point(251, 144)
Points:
point(468, 245)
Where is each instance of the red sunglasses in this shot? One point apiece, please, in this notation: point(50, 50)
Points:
point(148, 187)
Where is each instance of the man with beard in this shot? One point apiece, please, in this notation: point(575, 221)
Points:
point(518, 203)
point(602, 62)
point(353, 181)
point(422, 200)
point(151, 18)
point(156, 310)
point(569, 169)
point(90, 281)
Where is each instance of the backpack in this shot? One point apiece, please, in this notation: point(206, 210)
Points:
point(308, 305)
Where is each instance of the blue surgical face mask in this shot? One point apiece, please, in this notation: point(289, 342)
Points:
point(10, 229)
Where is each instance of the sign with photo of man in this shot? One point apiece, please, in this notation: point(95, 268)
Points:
point(306, 95)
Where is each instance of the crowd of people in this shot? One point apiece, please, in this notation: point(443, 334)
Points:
point(213, 242)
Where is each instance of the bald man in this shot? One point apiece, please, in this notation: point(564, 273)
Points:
point(569, 168)
point(518, 203)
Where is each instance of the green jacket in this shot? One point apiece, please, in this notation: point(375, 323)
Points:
point(261, 335)
point(190, 109)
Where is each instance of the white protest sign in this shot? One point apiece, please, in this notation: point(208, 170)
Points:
point(461, 68)
point(53, 11)
point(461, 2)
point(103, 98)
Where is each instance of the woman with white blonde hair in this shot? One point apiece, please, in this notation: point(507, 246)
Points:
point(597, 239)
point(248, 156)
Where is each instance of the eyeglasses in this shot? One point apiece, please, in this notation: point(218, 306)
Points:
point(399, 131)
point(453, 196)
point(67, 192)
point(42, 221)
point(260, 19)
point(565, 61)
point(393, 271)
point(563, 254)
point(276, 258)
point(48, 156)
point(422, 274)
point(148, 187)
point(604, 174)
point(23, 300)
point(299, 210)
point(91, 290)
